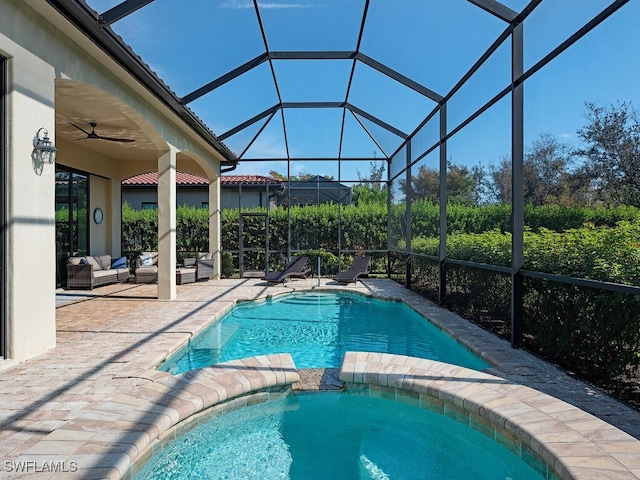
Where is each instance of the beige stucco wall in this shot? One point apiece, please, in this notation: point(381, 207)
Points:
point(41, 51)
point(30, 260)
point(99, 198)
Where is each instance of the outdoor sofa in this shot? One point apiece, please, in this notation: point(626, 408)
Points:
point(87, 272)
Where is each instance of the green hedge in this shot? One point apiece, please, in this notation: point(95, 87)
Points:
point(597, 253)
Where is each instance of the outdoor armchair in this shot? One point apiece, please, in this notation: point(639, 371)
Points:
point(147, 267)
point(203, 263)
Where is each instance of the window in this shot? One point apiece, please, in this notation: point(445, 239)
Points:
point(149, 205)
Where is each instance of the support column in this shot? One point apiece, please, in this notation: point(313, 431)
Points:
point(517, 180)
point(408, 234)
point(442, 290)
point(114, 240)
point(215, 243)
point(167, 225)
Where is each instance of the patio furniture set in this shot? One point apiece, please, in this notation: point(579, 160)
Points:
point(87, 272)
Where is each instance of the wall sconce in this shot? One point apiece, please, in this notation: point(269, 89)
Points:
point(43, 147)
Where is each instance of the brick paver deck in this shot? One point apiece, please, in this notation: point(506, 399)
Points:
point(92, 405)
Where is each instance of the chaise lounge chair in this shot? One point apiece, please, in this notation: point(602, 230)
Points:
point(359, 269)
point(295, 269)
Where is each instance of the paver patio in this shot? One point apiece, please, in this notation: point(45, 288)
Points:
point(85, 406)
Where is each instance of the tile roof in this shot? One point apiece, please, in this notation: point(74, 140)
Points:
point(182, 178)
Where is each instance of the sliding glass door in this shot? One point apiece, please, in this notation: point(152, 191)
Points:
point(72, 219)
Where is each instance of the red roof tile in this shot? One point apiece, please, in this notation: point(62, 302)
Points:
point(182, 178)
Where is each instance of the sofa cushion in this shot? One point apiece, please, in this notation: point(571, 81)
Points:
point(75, 260)
point(149, 269)
point(120, 262)
point(105, 261)
point(95, 263)
point(104, 273)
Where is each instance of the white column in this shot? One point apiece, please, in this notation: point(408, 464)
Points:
point(167, 225)
point(215, 246)
point(114, 241)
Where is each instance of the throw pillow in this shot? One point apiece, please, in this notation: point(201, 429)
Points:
point(146, 260)
point(84, 261)
point(119, 262)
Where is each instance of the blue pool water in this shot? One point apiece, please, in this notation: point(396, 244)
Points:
point(335, 436)
point(317, 328)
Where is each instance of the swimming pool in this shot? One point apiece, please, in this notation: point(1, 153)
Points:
point(336, 436)
point(317, 328)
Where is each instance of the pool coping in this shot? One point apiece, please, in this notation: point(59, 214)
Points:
point(572, 443)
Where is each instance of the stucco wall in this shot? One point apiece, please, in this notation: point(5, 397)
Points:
point(30, 260)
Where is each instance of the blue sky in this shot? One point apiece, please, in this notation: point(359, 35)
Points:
point(190, 43)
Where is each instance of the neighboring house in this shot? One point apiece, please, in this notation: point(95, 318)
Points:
point(244, 191)
point(141, 191)
point(314, 191)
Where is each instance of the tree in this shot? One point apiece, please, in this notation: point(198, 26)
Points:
point(463, 184)
point(546, 172)
point(278, 175)
point(499, 183)
point(612, 153)
point(371, 188)
point(301, 177)
point(424, 185)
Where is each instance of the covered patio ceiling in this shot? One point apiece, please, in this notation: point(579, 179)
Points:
point(303, 80)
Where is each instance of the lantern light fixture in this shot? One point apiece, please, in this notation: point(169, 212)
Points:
point(44, 149)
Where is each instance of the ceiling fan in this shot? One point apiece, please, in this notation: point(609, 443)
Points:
point(95, 136)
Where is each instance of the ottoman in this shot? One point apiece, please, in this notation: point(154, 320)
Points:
point(185, 275)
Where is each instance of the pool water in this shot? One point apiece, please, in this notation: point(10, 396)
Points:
point(335, 436)
point(317, 328)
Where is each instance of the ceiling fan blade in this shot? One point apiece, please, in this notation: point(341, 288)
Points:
point(93, 135)
point(109, 139)
point(79, 128)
